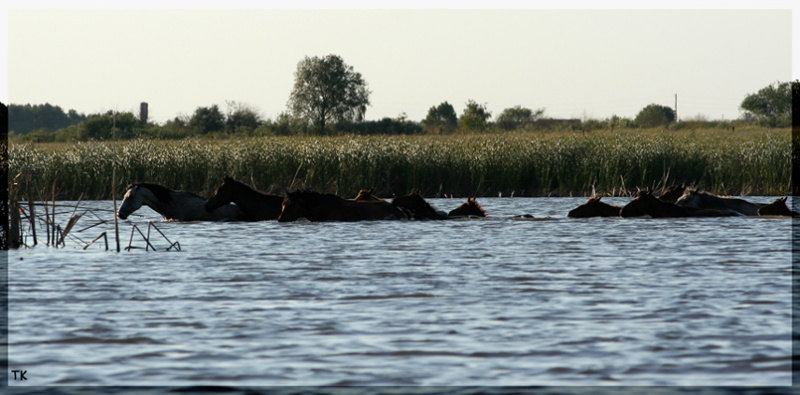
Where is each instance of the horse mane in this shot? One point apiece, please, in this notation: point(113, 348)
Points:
point(161, 192)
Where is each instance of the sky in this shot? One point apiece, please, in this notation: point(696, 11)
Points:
point(574, 62)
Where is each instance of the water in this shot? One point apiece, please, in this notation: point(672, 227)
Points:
point(495, 301)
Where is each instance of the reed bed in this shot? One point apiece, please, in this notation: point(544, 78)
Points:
point(510, 164)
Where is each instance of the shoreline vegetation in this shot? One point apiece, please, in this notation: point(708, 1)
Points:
point(744, 161)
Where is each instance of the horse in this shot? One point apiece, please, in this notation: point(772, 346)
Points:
point(255, 205)
point(173, 205)
point(673, 193)
point(366, 195)
point(470, 208)
point(594, 208)
point(645, 203)
point(778, 208)
point(316, 206)
point(419, 208)
point(698, 199)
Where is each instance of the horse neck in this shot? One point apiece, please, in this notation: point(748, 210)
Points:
point(166, 209)
point(246, 197)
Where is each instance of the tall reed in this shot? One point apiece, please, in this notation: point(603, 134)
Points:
point(519, 164)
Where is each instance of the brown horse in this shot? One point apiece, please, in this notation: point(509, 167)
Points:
point(366, 195)
point(698, 199)
point(327, 207)
point(255, 205)
point(470, 208)
point(594, 208)
point(673, 193)
point(419, 208)
point(778, 208)
point(645, 203)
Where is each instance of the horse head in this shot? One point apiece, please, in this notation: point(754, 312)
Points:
point(222, 195)
point(367, 195)
point(588, 209)
point(471, 207)
point(673, 193)
point(778, 207)
point(131, 201)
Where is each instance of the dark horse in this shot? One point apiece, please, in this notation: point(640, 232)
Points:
point(673, 193)
point(470, 208)
point(173, 205)
point(366, 195)
point(255, 205)
point(327, 207)
point(594, 208)
point(646, 204)
point(698, 199)
point(778, 208)
point(419, 208)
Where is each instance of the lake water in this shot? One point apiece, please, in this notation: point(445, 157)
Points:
point(494, 301)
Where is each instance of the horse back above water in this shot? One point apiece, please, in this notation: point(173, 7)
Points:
point(173, 205)
point(698, 199)
point(645, 203)
point(256, 206)
point(593, 207)
point(419, 208)
point(316, 206)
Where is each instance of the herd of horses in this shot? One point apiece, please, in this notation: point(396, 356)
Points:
point(235, 201)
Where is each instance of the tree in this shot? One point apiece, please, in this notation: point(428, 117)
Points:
point(27, 118)
point(242, 118)
point(207, 119)
point(772, 105)
point(326, 90)
point(111, 125)
point(655, 115)
point(518, 117)
point(441, 118)
point(475, 117)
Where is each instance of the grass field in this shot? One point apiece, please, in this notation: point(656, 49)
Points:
point(741, 162)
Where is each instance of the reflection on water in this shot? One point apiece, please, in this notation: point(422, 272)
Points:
point(495, 301)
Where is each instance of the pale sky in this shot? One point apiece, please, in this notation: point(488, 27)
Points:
point(571, 61)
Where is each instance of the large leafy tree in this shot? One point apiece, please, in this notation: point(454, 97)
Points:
point(518, 117)
point(326, 90)
point(242, 118)
point(207, 119)
point(655, 115)
point(772, 105)
point(475, 116)
point(441, 118)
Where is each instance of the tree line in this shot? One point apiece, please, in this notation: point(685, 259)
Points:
point(330, 98)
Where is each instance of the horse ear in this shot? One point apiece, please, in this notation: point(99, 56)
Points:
point(227, 178)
